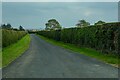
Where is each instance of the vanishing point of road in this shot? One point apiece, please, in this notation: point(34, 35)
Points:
point(44, 60)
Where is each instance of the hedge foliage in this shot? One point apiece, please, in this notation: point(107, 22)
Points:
point(10, 36)
point(105, 38)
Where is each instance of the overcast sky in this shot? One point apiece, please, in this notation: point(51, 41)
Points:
point(34, 15)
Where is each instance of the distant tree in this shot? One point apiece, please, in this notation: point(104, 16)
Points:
point(82, 23)
point(52, 24)
point(3, 26)
point(8, 26)
point(21, 28)
point(99, 23)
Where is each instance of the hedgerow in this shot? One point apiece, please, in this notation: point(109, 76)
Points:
point(105, 38)
point(10, 36)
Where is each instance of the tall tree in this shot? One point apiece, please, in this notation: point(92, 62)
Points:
point(82, 23)
point(52, 24)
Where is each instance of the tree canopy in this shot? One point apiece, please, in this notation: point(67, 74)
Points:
point(99, 22)
point(82, 23)
point(52, 24)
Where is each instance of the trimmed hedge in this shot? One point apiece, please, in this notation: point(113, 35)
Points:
point(10, 36)
point(105, 38)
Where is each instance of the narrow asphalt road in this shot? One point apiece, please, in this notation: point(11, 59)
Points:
point(44, 60)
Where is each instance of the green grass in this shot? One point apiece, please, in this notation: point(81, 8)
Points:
point(13, 51)
point(107, 58)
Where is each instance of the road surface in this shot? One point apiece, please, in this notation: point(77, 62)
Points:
point(44, 60)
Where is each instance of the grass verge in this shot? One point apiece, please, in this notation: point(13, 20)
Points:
point(13, 51)
point(110, 59)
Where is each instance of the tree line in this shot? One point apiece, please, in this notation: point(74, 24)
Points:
point(8, 26)
point(53, 24)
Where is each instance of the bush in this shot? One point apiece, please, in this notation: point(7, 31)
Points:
point(10, 36)
point(105, 38)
